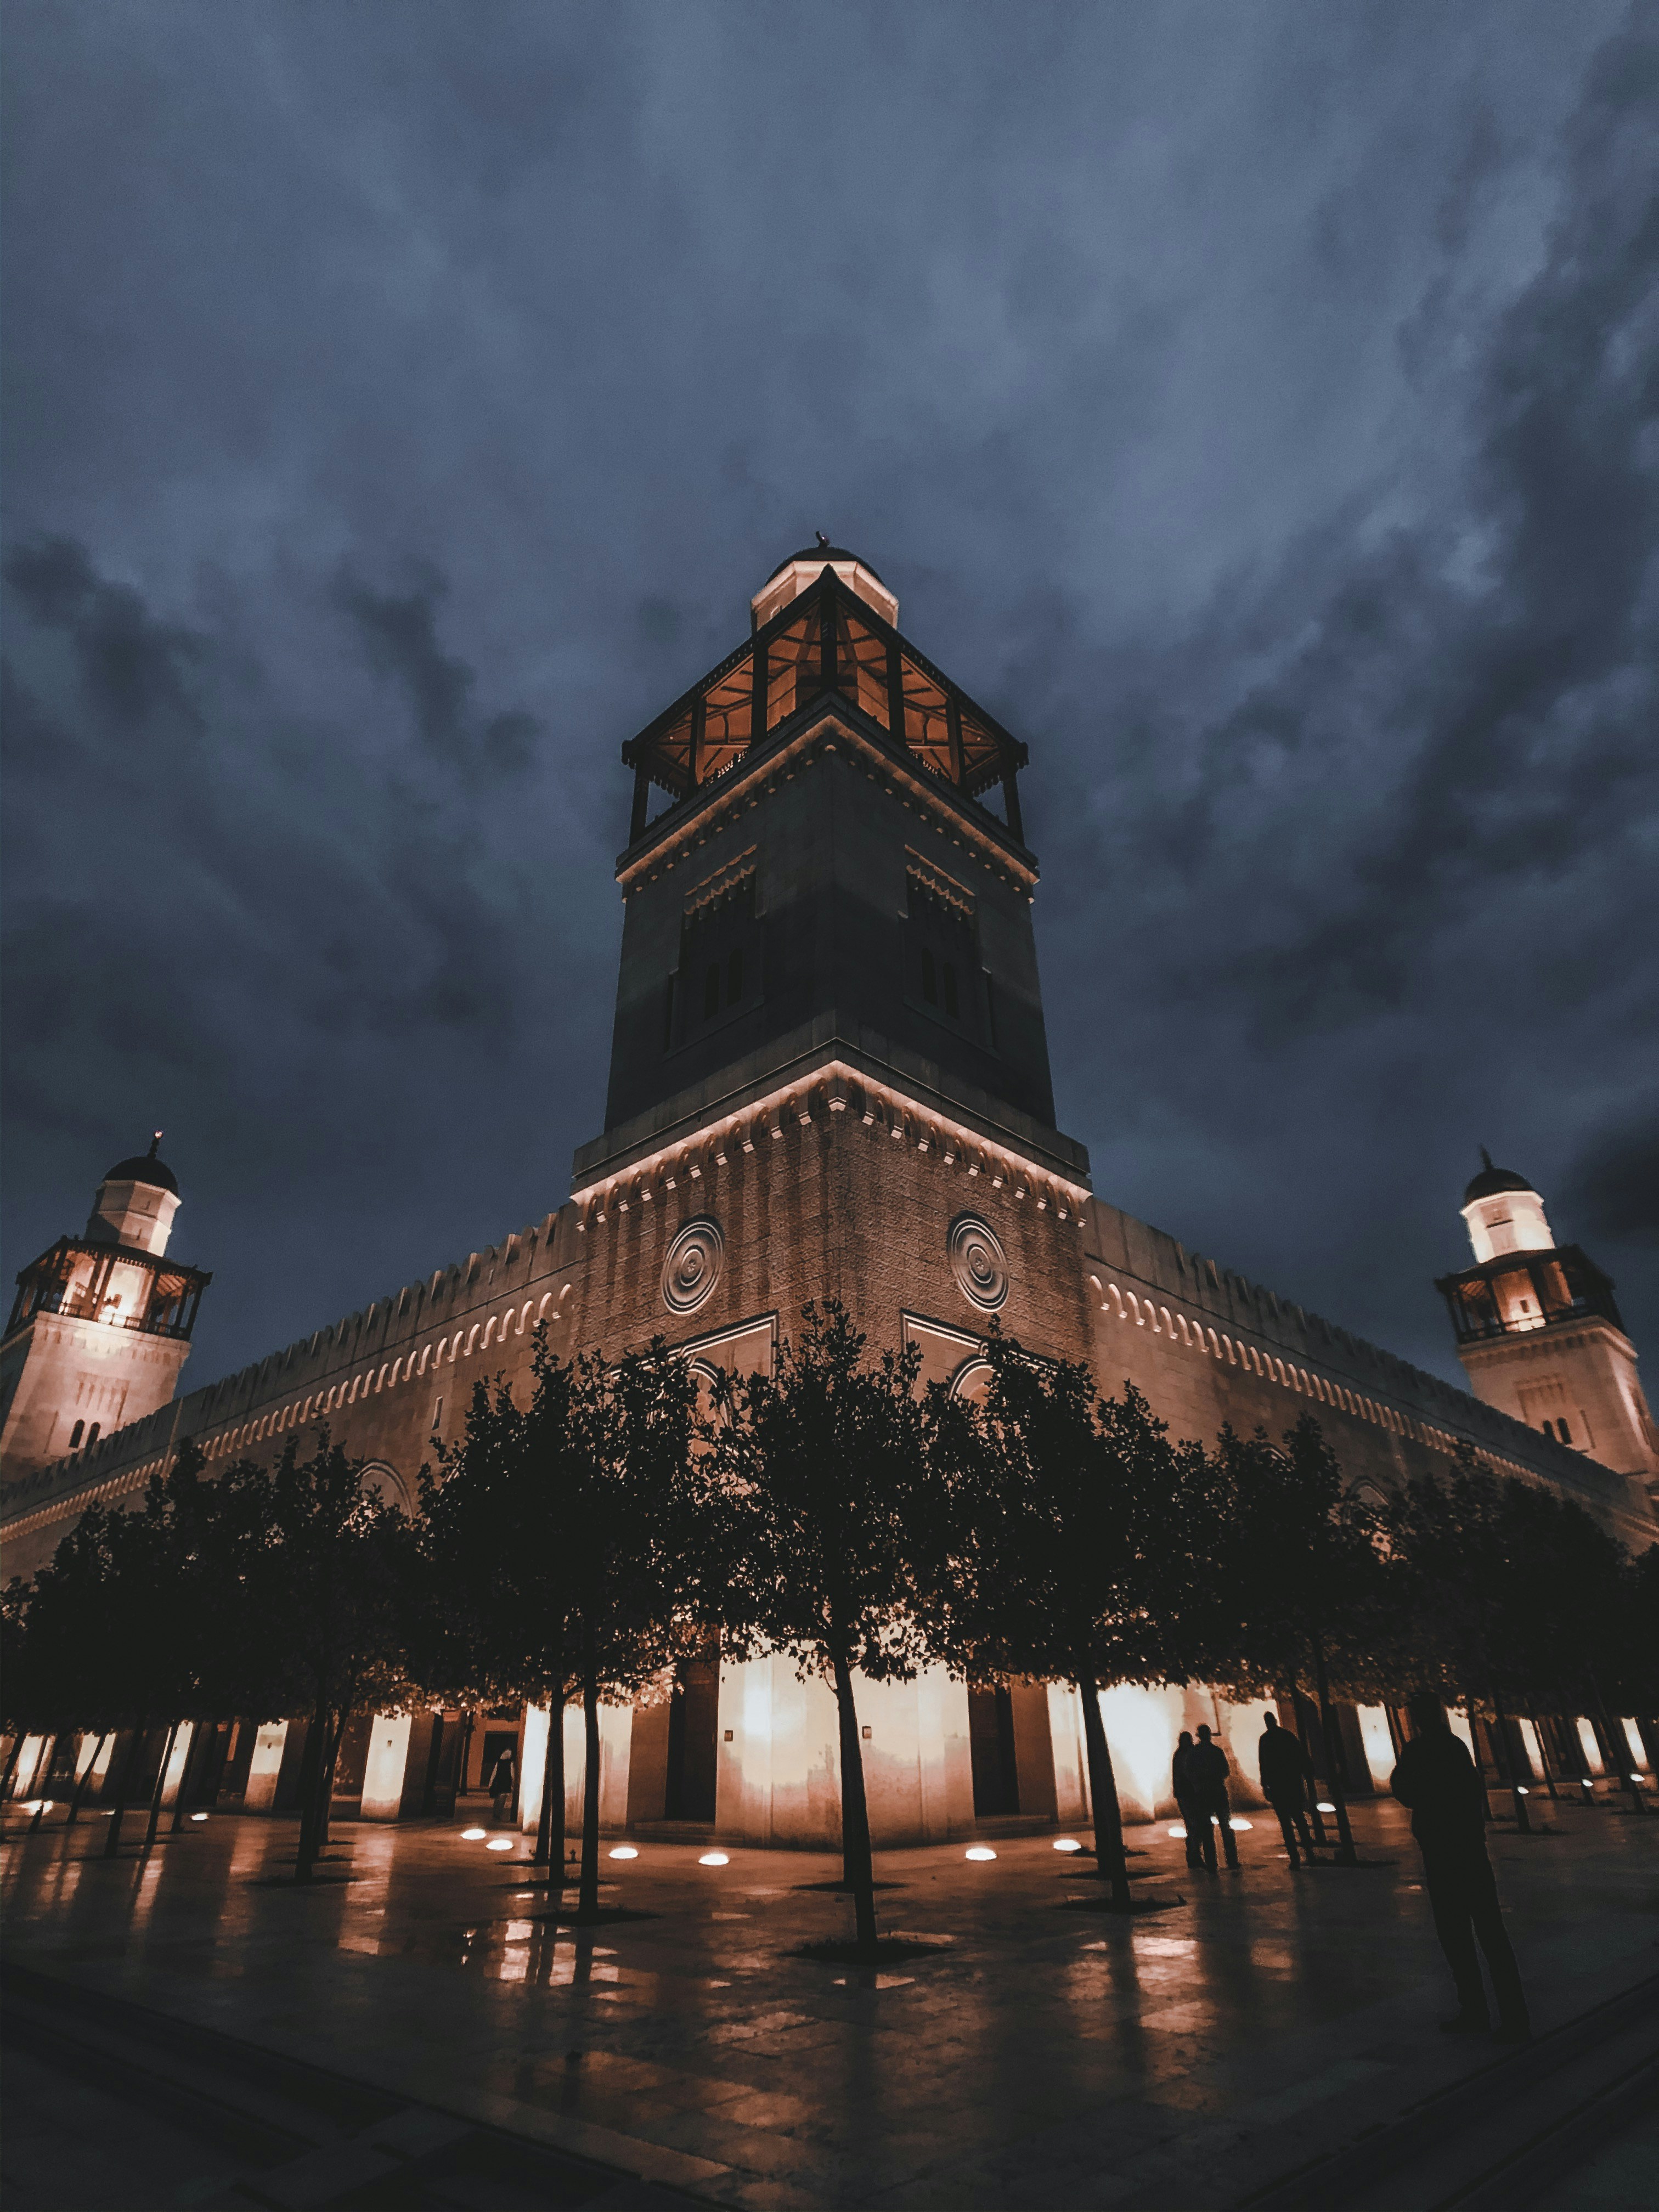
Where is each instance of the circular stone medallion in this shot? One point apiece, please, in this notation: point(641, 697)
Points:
point(977, 1261)
point(693, 1265)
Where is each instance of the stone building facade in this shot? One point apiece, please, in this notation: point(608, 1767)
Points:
point(830, 1078)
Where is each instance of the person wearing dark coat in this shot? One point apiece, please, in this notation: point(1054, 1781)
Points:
point(1181, 1781)
point(503, 1780)
point(1286, 1770)
point(1436, 1778)
point(1210, 1772)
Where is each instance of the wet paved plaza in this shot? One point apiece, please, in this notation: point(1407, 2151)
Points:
point(1032, 2054)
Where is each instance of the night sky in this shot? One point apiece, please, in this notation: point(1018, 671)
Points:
point(1255, 407)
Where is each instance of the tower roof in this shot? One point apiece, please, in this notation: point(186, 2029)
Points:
point(823, 551)
point(1493, 1179)
point(826, 640)
point(145, 1167)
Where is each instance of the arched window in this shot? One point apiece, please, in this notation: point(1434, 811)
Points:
point(80, 1430)
point(92, 1435)
point(734, 975)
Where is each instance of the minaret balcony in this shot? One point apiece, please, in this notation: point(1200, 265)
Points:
point(1518, 1293)
point(115, 1286)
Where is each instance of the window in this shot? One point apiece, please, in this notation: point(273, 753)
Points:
point(91, 1434)
point(1563, 1431)
point(437, 1414)
point(942, 960)
point(79, 1431)
point(719, 971)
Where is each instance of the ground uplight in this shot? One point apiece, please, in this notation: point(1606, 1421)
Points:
point(1522, 1791)
point(1240, 1827)
point(624, 1851)
point(1179, 1833)
point(499, 1844)
point(714, 1858)
point(473, 1835)
point(198, 1816)
point(979, 1852)
point(1326, 1806)
point(1067, 1843)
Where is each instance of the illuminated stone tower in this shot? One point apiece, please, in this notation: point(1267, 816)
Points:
point(101, 1322)
point(1539, 1332)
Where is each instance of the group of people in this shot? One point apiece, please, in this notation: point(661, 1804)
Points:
point(1437, 1781)
point(1199, 1774)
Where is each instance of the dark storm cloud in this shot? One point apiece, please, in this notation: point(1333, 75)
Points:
point(1255, 408)
point(1614, 1181)
point(400, 630)
point(131, 665)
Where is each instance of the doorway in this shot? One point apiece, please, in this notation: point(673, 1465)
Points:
point(693, 1739)
point(991, 1740)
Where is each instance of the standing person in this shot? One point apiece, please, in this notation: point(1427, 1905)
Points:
point(1286, 1770)
point(503, 1778)
point(1182, 1781)
point(1436, 1778)
point(1209, 1772)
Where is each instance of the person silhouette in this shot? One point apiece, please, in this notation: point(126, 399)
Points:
point(1286, 1770)
point(1436, 1778)
point(504, 1780)
point(1210, 1772)
point(1181, 1781)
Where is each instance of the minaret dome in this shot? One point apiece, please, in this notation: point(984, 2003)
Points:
point(1504, 1213)
point(802, 570)
point(135, 1202)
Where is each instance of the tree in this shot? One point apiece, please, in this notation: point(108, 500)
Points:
point(1307, 1580)
point(827, 1475)
point(328, 1573)
point(1079, 1551)
point(1513, 1597)
point(637, 1528)
point(562, 1543)
point(497, 1626)
point(104, 1637)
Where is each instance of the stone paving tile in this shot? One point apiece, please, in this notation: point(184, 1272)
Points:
point(1039, 2056)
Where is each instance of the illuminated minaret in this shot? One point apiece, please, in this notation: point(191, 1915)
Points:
point(1539, 1332)
point(101, 1322)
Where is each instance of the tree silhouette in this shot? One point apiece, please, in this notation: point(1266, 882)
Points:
point(829, 1463)
point(327, 1581)
point(1308, 1581)
point(1080, 1550)
point(500, 1624)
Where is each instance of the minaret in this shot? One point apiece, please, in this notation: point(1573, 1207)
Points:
point(1539, 1332)
point(101, 1322)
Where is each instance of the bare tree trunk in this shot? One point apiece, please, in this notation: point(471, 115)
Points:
point(44, 1766)
point(1111, 1862)
point(1615, 1740)
point(326, 1796)
point(161, 1785)
point(192, 1761)
point(11, 1765)
point(588, 1897)
point(83, 1782)
point(1517, 1795)
point(1345, 1855)
point(113, 1841)
point(858, 1867)
point(1540, 1729)
point(550, 1829)
point(313, 1771)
